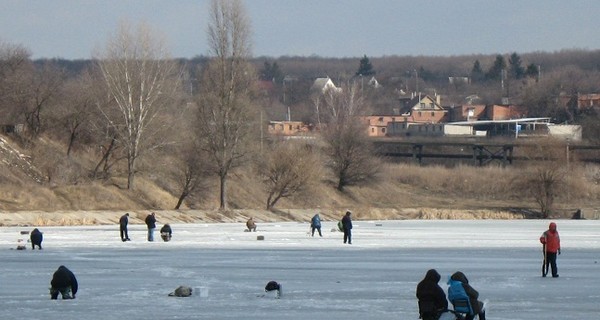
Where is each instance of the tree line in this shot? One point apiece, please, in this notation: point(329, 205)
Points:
point(134, 108)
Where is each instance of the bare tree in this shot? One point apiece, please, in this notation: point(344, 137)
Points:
point(14, 65)
point(45, 85)
point(287, 170)
point(193, 171)
point(141, 78)
point(546, 180)
point(349, 150)
point(225, 109)
point(73, 114)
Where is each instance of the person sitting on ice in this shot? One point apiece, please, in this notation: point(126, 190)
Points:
point(166, 232)
point(273, 285)
point(251, 225)
point(63, 282)
point(36, 238)
point(459, 288)
point(432, 299)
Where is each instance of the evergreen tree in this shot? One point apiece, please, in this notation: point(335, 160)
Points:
point(365, 68)
point(516, 70)
point(531, 71)
point(495, 71)
point(271, 72)
point(476, 72)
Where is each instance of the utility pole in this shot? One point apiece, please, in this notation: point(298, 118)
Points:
point(417, 80)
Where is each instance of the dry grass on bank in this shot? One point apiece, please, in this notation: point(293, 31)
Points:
point(403, 191)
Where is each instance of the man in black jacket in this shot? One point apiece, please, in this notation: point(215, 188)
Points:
point(347, 227)
point(151, 223)
point(123, 221)
point(63, 282)
point(36, 238)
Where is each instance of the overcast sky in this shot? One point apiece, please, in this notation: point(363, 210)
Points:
point(71, 29)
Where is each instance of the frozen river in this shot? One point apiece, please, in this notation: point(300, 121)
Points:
point(374, 278)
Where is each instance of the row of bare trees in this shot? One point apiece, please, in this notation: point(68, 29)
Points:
point(129, 112)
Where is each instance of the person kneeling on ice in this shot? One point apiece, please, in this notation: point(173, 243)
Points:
point(63, 282)
point(432, 299)
point(251, 225)
point(459, 290)
point(273, 285)
point(166, 233)
point(36, 238)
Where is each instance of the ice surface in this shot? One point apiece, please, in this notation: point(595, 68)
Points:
point(374, 278)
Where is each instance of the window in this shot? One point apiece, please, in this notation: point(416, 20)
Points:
point(433, 113)
point(290, 126)
point(382, 130)
point(373, 130)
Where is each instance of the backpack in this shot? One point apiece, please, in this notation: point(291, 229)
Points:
point(458, 297)
point(340, 225)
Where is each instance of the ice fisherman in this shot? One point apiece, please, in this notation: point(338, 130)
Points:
point(123, 222)
point(459, 288)
point(315, 223)
point(151, 223)
point(166, 232)
point(251, 225)
point(432, 299)
point(36, 237)
point(347, 227)
point(551, 246)
point(274, 285)
point(63, 282)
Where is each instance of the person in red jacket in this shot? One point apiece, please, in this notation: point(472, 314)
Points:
point(551, 241)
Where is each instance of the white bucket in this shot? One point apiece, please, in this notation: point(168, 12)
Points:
point(203, 292)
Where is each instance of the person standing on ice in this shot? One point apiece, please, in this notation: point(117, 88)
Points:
point(123, 221)
point(63, 282)
point(551, 246)
point(347, 227)
point(432, 299)
point(151, 223)
point(459, 288)
point(315, 223)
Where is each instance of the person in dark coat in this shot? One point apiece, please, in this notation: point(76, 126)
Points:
point(166, 233)
point(36, 238)
point(151, 223)
point(347, 227)
point(315, 223)
point(123, 222)
point(274, 285)
point(251, 225)
point(473, 295)
point(63, 282)
point(432, 299)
